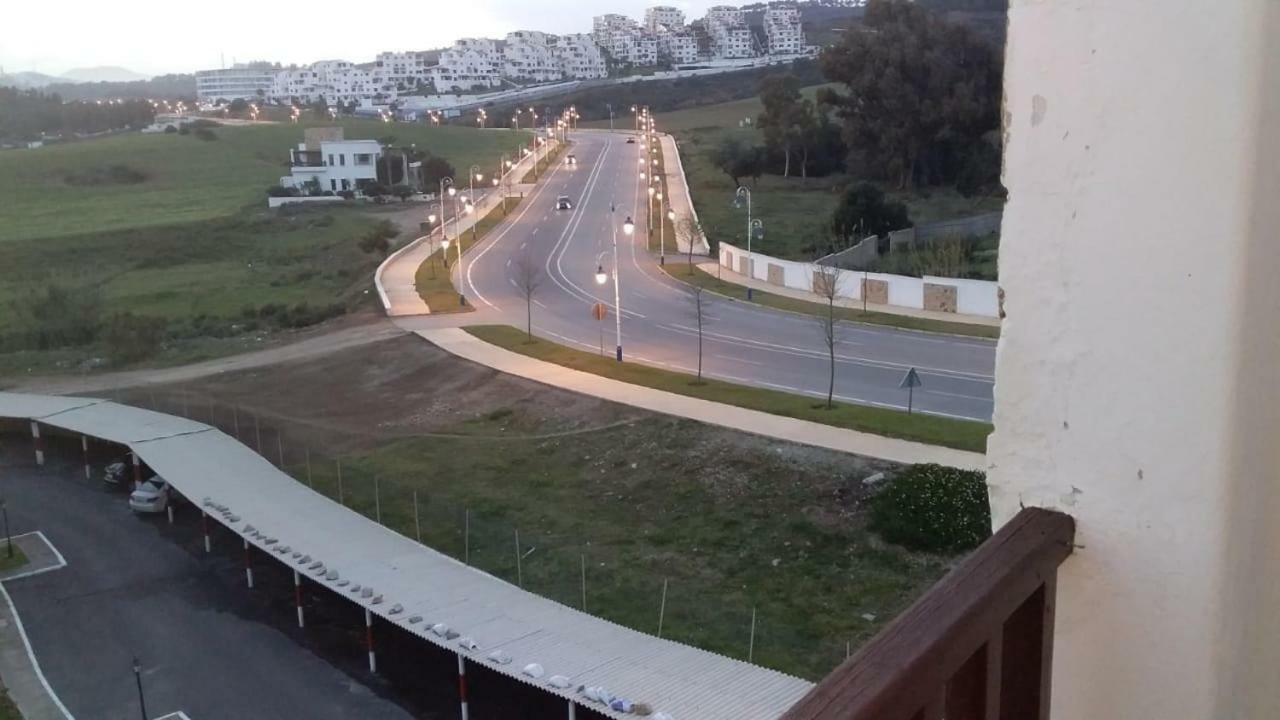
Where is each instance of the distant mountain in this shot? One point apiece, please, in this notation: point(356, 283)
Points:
point(103, 73)
point(24, 80)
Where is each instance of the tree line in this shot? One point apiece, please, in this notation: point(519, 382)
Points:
point(29, 114)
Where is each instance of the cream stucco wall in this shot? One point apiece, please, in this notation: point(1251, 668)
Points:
point(1138, 372)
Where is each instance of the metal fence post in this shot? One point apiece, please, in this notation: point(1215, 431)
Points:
point(519, 562)
point(751, 646)
point(662, 609)
point(341, 497)
point(417, 524)
point(377, 500)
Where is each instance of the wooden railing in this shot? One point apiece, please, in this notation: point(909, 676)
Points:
point(977, 646)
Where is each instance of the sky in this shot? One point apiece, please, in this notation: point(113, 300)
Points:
point(154, 37)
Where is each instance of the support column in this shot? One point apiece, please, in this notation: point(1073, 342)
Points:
point(368, 639)
point(204, 527)
point(38, 442)
point(168, 508)
point(462, 688)
point(248, 569)
point(573, 710)
point(137, 468)
point(84, 446)
point(297, 596)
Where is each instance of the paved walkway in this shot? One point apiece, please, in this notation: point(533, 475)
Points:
point(395, 277)
point(465, 345)
point(18, 667)
point(723, 273)
point(678, 192)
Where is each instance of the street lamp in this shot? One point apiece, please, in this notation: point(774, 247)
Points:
point(8, 539)
point(137, 676)
point(628, 228)
point(649, 225)
point(753, 226)
point(475, 175)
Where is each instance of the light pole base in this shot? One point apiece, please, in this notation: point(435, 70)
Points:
point(462, 300)
point(662, 259)
point(619, 353)
point(748, 293)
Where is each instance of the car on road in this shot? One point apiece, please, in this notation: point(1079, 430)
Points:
point(152, 496)
point(571, 160)
point(631, 140)
point(564, 203)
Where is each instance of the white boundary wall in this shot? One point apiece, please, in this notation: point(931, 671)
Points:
point(973, 297)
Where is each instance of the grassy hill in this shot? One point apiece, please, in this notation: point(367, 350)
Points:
point(68, 189)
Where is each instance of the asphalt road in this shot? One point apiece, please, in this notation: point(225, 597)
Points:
point(742, 343)
point(129, 590)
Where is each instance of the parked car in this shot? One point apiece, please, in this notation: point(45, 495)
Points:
point(564, 203)
point(152, 495)
point(119, 473)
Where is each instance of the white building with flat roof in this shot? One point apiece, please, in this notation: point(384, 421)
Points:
point(471, 64)
point(328, 161)
point(580, 58)
point(663, 18)
point(336, 81)
point(529, 56)
point(782, 29)
point(678, 48)
point(731, 38)
point(243, 81)
point(403, 71)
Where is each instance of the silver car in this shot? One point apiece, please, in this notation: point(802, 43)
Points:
point(151, 496)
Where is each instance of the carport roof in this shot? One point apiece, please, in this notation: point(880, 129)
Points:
point(242, 490)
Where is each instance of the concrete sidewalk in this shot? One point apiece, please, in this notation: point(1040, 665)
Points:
point(678, 192)
point(19, 669)
point(465, 345)
point(723, 273)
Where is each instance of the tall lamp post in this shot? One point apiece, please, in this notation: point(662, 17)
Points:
point(628, 227)
point(754, 227)
point(137, 677)
point(8, 539)
point(475, 174)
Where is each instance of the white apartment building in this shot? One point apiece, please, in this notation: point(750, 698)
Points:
point(604, 28)
point(529, 55)
point(580, 58)
point(325, 158)
point(678, 48)
point(334, 80)
point(663, 18)
point(241, 81)
point(472, 63)
point(783, 30)
point(730, 36)
point(402, 70)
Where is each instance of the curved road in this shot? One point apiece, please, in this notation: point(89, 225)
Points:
point(743, 343)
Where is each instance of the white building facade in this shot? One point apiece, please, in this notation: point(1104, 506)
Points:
point(730, 36)
point(328, 161)
point(783, 32)
point(678, 48)
point(580, 58)
point(471, 64)
point(244, 82)
point(336, 81)
point(663, 18)
point(529, 56)
point(399, 72)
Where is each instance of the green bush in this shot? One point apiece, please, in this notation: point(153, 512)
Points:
point(129, 338)
point(933, 508)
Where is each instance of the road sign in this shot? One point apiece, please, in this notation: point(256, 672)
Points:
point(599, 311)
point(910, 381)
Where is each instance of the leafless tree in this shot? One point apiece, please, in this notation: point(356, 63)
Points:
point(689, 231)
point(826, 281)
point(698, 305)
point(528, 278)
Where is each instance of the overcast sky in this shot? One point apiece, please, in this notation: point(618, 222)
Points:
point(154, 37)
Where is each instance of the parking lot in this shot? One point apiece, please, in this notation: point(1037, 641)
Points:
point(132, 588)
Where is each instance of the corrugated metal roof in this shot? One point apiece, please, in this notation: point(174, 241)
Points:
point(209, 466)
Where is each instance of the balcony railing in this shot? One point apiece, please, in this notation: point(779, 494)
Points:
point(977, 646)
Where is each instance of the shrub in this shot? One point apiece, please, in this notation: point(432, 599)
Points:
point(129, 337)
point(347, 194)
point(277, 191)
point(378, 238)
point(933, 508)
point(56, 316)
point(206, 134)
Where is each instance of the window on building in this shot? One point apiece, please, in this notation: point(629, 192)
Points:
point(346, 184)
point(331, 159)
point(333, 184)
point(342, 159)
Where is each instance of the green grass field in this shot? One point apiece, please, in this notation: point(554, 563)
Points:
point(432, 278)
point(931, 429)
point(188, 179)
point(632, 506)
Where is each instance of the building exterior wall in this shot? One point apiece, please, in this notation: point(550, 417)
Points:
point(238, 82)
point(1141, 394)
point(663, 17)
point(783, 30)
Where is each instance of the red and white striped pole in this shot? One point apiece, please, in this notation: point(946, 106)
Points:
point(39, 443)
point(368, 639)
point(84, 445)
point(297, 595)
point(248, 569)
point(137, 468)
point(204, 526)
point(462, 686)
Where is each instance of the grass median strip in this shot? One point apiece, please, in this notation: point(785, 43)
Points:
point(931, 429)
point(432, 277)
point(685, 273)
point(544, 163)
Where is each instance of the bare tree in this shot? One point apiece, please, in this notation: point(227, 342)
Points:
point(528, 278)
point(689, 231)
point(826, 281)
point(697, 302)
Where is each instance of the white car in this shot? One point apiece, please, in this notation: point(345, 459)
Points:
point(151, 496)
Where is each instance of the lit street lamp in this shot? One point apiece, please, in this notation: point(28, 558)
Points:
point(754, 227)
point(628, 228)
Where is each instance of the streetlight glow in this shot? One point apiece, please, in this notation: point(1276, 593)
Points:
point(628, 227)
point(601, 275)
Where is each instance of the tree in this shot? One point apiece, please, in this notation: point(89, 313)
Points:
point(697, 299)
point(528, 278)
point(736, 159)
point(434, 168)
point(238, 105)
point(918, 88)
point(863, 210)
point(378, 238)
point(689, 230)
point(826, 282)
point(788, 119)
point(402, 191)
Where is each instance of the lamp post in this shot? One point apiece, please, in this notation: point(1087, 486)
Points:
point(137, 677)
point(475, 174)
point(649, 225)
point(446, 182)
point(752, 226)
point(466, 210)
point(628, 227)
point(8, 539)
